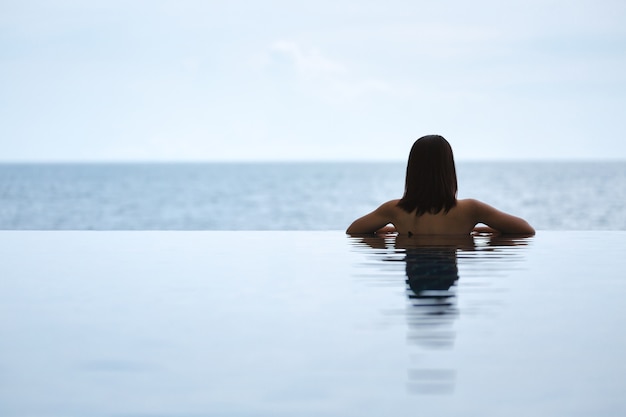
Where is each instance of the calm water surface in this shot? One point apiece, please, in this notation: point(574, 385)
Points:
point(436, 273)
point(292, 196)
point(310, 323)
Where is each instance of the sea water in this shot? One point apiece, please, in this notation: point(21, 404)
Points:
point(292, 196)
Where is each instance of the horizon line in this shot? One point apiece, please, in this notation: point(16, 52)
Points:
point(289, 161)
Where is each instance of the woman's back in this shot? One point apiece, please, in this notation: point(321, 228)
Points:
point(458, 221)
point(461, 219)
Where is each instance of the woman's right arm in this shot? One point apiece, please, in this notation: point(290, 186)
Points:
point(500, 221)
point(375, 222)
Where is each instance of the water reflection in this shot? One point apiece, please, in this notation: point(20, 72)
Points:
point(433, 267)
point(431, 274)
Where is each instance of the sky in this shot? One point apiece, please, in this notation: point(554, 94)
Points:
point(339, 80)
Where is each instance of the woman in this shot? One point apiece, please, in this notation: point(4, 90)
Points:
point(429, 205)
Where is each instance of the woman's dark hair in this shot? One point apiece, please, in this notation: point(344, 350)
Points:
point(430, 184)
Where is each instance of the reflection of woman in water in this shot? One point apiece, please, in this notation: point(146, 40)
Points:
point(431, 276)
point(429, 205)
point(431, 269)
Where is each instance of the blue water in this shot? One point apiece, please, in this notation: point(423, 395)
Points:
point(295, 323)
point(292, 196)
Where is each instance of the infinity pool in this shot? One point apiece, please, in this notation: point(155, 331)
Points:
point(311, 324)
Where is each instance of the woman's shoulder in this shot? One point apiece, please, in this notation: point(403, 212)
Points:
point(391, 203)
point(475, 205)
point(469, 203)
point(390, 206)
point(469, 207)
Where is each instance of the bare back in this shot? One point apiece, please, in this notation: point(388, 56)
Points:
point(460, 220)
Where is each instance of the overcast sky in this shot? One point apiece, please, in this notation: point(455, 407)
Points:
point(316, 80)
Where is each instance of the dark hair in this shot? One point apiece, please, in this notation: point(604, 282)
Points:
point(430, 184)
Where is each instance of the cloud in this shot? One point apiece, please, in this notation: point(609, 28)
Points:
point(327, 77)
point(309, 63)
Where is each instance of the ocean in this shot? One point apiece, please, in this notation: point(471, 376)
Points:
point(292, 196)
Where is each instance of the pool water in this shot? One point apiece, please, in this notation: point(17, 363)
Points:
point(310, 324)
